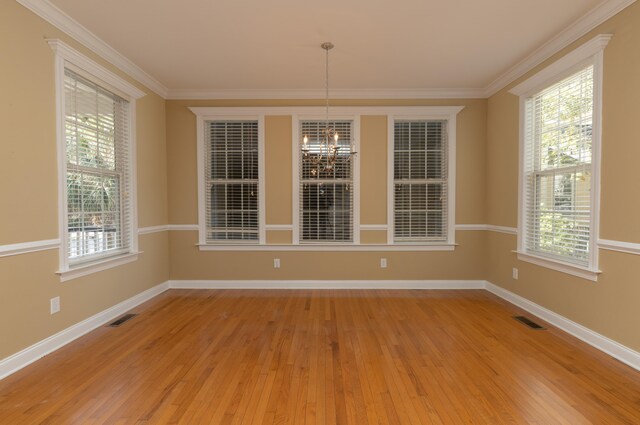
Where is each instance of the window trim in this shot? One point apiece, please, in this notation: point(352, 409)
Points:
point(317, 112)
point(432, 113)
point(295, 177)
point(212, 114)
point(67, 57)
point(590, 53)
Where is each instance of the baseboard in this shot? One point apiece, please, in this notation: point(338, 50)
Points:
point(31, 354)
point(40, 349)
point(327, 284)
point(614, 349)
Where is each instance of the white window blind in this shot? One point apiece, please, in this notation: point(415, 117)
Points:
point(557, 168)
point(420, 181)
point(231, 170)
point(97, 170)
point(326, 198)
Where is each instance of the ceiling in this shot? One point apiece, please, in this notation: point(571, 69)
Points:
point(275, 45)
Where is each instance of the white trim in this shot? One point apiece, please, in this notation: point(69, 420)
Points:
point(67, 56)
point(96, 266)
point(183, 227)
point(279, 227)
point(502, 229)
point(374, 227)
point(27, 247)
point(319, 111)
point(203, 115)
point(628, 247)
point(460, 93)
point(559, 266)
point(590, 53)
point(488, 228)
point(56, 17)
point(471, 227)
point(427, 113)
point(596, 340)
point(579, 28)
point(153, 229)
point(326, 247)
point(76, 58)
point(562, 67)
point(327, 284)
point(48, 345)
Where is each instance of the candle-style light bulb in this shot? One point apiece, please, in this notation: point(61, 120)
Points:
point(305, 140)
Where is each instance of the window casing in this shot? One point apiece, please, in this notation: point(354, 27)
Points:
point(560, 132)
point(96, 163)
point(326, 211)
point(420, 186)
point(232, 181)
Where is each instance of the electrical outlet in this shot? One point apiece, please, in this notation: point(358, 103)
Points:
point(276, 263)
point(383, 263)
point(55, 305)
point(514, 273)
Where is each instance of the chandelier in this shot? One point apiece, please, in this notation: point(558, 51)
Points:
point(326, 153)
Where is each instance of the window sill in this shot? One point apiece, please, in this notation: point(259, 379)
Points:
point(559, 266)
point(96, 266)
point(332, 247)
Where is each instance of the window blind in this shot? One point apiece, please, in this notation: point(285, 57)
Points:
point(326, 198)
point(97, 170)
point(231, 171)
point(557, 169)
point(420, 181)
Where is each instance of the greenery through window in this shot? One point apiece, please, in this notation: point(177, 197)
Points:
point(558, 157)
point(96, 135)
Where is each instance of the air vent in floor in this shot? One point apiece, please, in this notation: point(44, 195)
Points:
point(121, 320)
point(528, 322)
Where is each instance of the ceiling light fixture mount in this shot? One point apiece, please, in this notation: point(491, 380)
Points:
point(323, 154)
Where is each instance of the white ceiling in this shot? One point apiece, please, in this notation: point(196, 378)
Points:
point(274, 45)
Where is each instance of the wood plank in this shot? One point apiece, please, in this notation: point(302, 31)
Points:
point(324, 357)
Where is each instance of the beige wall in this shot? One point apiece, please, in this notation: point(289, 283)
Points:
point(187, 262)
point(487, 174)
point(609, 306)
point(28, 183)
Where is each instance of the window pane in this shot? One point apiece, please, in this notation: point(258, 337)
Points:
point(232, 167)
point(558, 139)
point(326, 198)
point(96, 136)
point(420, 180)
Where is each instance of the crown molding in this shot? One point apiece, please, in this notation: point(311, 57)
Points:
point(195, 94)
point(56, 17)
point(52, 14)
point(573, 32)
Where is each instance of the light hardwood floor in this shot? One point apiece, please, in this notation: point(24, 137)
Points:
point(324, 357)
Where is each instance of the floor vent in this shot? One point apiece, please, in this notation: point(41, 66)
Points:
point(121, 320)
point(528, 322)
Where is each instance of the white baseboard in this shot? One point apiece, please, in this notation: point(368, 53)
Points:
point(40, 349)
point(31, 354)
point(614, 349)
point(326, 284)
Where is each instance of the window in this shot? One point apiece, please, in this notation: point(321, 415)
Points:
point(230, 157)
point(232, 184)
point(326, 198)
point(420, 181)
point(97, 170)
point(96, 111)
point(559, 163)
